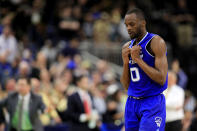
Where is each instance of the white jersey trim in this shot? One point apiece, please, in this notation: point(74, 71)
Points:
point(143, 38)
point(146, 46)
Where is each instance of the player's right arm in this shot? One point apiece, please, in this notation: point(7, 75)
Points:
point(125, 78)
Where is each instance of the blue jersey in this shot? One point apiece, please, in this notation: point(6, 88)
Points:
point(142, 85)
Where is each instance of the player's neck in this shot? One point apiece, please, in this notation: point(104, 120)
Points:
point(141, 36)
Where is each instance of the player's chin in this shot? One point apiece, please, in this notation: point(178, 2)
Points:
point(132, 36)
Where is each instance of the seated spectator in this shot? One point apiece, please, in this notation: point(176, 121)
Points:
point(174, 104)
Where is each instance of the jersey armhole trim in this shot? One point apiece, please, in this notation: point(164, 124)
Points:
point(146, 46)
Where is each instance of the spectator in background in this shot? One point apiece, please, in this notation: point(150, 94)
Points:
point(182, 77)
point(59, 65)
point(35, 85)
point(39, 64)
point(45, 78)
point(102, 29)
point(68, 25)
point(27, 49)
point(49, 51)
point(67, 82)
point(24, 70)
point(10, 85)
point(104, 69)
point(82, 66)
point(8, 44)
point(184, 21)
point(98, 92)
point(174, 104)
point(88, 25)
point(51, 117)
point(6, 20)
point(189, 106)
point(123, 31)
point(113, 117)
point(23, 107)
point(5, 69)
point(59, 99)
point(115, 20)
point(37, 11)
point(72, 48)
point(80, 110)
point(41, 61)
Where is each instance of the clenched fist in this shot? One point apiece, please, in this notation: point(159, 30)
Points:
point(135, 52)
point(125, 53)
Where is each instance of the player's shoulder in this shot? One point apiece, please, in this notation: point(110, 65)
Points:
point(158, 42)
point(126, 45)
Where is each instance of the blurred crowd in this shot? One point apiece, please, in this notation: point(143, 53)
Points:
point(41, 40)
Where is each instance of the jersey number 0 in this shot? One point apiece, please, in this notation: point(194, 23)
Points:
point(135, 75)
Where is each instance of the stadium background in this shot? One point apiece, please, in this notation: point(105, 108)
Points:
point(56, 40)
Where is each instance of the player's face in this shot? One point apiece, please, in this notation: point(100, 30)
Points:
point(133, 25)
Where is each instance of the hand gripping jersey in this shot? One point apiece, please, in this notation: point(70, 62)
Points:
point(142, 85)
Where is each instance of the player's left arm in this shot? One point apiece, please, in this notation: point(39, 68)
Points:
point(159, 72)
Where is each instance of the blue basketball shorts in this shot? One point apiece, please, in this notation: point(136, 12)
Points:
point(147, 114)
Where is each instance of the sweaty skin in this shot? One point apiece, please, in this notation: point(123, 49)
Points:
point(125, 78)
point(137, 29)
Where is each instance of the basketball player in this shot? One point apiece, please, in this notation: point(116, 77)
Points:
point(144, 76)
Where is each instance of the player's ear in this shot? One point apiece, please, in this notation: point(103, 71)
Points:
point(143, 22)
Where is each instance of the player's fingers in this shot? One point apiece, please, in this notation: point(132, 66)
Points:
point(139, 46)
point(125, 53)
point(136, 47)
point(126, 50)
point(126, 46)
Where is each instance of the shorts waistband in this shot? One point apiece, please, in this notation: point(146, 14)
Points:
point(140, 98)
point(137, 98)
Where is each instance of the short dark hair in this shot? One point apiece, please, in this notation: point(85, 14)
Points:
point(139, 13)
point(79, 78)
point(26, 78)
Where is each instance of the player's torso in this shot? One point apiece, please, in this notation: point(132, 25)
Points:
point(140, 84)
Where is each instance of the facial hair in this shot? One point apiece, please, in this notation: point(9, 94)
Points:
point(136, 34)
